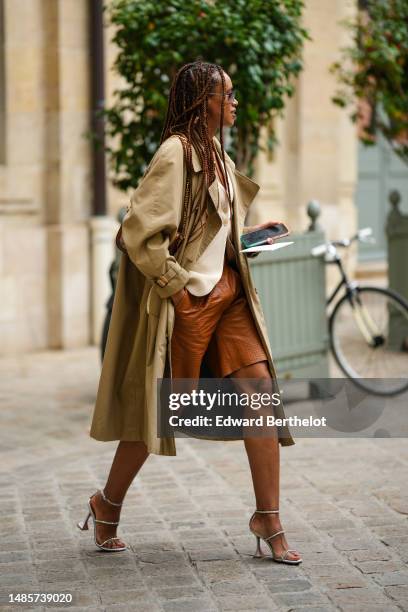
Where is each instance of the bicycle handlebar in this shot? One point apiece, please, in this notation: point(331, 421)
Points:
point(329, 248)
point(321, 249)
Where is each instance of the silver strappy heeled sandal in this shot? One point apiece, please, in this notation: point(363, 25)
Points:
point(259, 554)
point(83, 525)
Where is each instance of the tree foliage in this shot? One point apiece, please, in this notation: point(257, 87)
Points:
point(258, 43)
point(373, 73)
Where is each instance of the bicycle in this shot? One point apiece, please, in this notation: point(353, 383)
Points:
point(368, 327)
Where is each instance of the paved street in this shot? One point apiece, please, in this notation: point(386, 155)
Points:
point(344, 505)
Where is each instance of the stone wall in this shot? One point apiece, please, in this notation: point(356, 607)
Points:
point(316, 157)
point(45, 177)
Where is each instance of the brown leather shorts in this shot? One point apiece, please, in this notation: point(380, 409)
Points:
point(217, 328)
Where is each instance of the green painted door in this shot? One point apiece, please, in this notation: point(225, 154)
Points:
point(379, 172)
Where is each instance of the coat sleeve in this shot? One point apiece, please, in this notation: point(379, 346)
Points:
point(151, 223)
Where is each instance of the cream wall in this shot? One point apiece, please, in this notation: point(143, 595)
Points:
point(317, 155)
point(44, 180)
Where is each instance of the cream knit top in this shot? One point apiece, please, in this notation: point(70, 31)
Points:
point(207, 270)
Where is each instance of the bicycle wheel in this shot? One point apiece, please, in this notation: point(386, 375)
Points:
point(368, 331)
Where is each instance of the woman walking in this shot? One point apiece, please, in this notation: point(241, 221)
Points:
point(184, 298)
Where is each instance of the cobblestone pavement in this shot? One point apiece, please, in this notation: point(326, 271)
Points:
point(344, 505)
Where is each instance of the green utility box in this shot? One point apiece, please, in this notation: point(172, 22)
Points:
point(292, 288)
point(397, 239)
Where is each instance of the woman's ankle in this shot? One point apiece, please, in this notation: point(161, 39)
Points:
point(111, 498)
point(103, 506)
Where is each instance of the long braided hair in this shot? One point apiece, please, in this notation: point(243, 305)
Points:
point(187, 117)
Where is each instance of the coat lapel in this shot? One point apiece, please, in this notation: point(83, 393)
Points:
point(213, 222)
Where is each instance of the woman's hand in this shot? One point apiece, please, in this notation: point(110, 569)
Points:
point(177, 297)
point(260, 226)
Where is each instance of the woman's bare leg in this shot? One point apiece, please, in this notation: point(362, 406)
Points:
point(128, 459)
point(264, 461)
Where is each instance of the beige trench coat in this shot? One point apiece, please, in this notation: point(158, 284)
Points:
point(137, 350)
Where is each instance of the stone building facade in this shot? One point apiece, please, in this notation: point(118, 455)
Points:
point(53, 253)
point(44, 176)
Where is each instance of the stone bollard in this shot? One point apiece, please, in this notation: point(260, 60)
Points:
point(313, 211)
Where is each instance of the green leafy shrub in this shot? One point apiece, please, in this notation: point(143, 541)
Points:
point(258, 42)
point(373, 73)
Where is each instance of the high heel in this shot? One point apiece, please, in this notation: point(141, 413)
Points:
point(83, 525)
point(259, 554)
